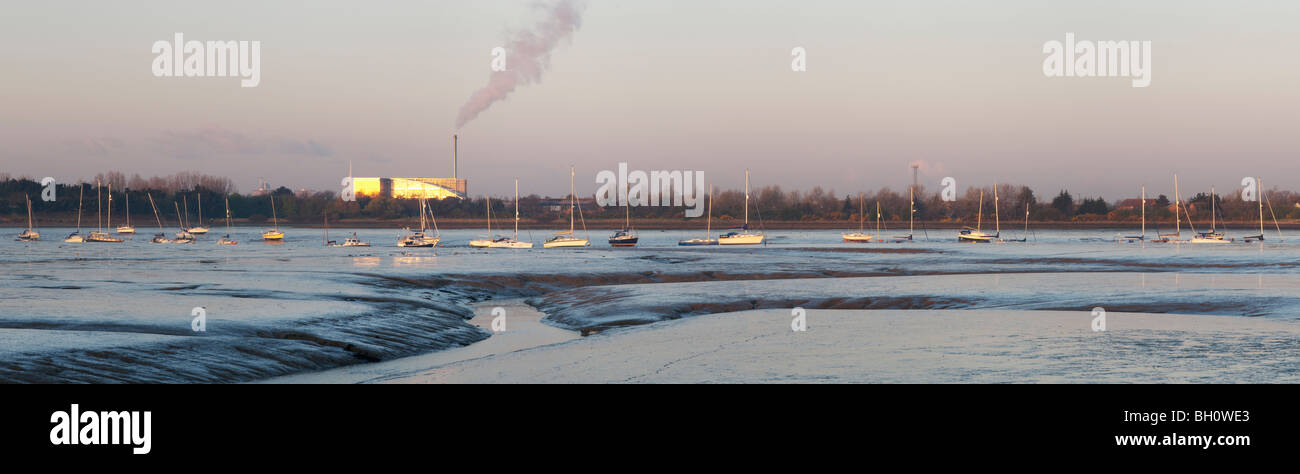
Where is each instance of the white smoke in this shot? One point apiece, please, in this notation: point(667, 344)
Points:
point(528, 55)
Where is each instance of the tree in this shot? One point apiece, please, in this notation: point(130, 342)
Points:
point(1064, 203)
point(1094, 206)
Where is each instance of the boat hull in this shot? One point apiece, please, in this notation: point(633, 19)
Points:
point(566, 242)
point(741, 239)
point(697, 242)
point(857, 237)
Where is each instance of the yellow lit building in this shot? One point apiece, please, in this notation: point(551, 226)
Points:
point(411, 188)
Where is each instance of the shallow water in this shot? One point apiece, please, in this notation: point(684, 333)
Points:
point(123, 312)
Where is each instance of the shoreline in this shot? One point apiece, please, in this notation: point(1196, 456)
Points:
point(877, 346)
point(681, 224)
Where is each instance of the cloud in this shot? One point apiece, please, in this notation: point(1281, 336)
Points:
point(210, 141)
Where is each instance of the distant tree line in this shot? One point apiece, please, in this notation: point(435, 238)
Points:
point(770, 203)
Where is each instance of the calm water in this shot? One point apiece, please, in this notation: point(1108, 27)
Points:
point(124, 312)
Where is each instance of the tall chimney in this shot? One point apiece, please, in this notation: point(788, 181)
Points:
point(454, 148)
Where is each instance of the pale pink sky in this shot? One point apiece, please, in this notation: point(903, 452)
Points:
point(662, 85)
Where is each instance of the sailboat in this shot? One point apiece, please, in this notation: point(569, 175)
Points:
point(160, 237)
point(420, 238)
point(198, 229)
point(742, 235)
point(859, 236)
point(274, 234)
point(29, 235)
point(226, 240)
point(503, 242)
point(911, 215)
point(125, 228)
point(626, 237)
point(1259, 199)
point(1213, 236)
point(568, 239)
point(75, 237)
point(184, 236)
point(1143, 236)
point(486, 241)
point(977, 235)
point(99, 235)
point(708, 227)
point(1025, 236)
point(1178, 222)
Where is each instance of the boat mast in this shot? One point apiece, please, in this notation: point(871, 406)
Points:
point(178, 216)
point(877, 217)
point(200, 198)
point(1212, 209)
point(274, 220)
point(516, 209)
point(996, 221)
point(185, 220)
point(708, 221)
point(29, 212)
point(81, 192)
point(128, 208)
point(746, 198)
point(1178, 223)
point(1144, 212)
point(979, 216)
point(110, 206)
point(1259, 183)
point(99, 208)
point(155, 212)
point(573, 200)
point(227, 215)
point(911, 208)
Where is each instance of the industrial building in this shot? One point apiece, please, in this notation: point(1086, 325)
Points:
point(415, 188)
point(411, 188)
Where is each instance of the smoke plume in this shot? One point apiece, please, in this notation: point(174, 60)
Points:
point(528, 55)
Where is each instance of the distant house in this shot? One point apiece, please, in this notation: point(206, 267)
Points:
point(562, 205)
point(1134, 204)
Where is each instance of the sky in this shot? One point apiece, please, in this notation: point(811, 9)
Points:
point(662, 85)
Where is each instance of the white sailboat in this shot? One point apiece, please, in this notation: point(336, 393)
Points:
point(160, 237)
point(742, 235)
point(184, 236)
point(125, 228)
point(99, 235)
point(1212, 236)
point(421, 238)
point(75, 237)
point(1178, 222)
point(708, 227)
point(859, 236)
point(568, 239)
point(977, 235)
point(29, 235)
point(500, 241)
point(226, 240)
point(198, 229)
point(274, 234)
point(486, 241)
